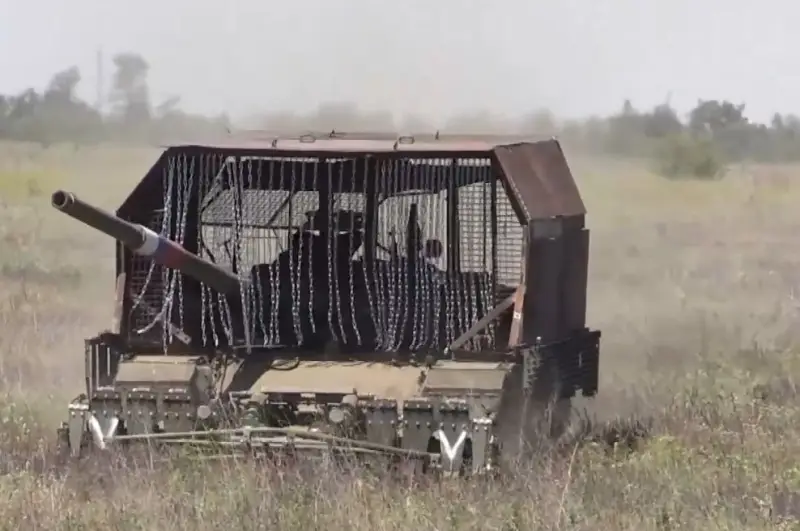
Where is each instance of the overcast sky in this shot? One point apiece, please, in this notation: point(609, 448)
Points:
point(431, 57)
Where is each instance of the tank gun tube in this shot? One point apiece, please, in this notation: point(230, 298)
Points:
point(145, 242)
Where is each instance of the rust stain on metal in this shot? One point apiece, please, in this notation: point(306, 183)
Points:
point(540, 175)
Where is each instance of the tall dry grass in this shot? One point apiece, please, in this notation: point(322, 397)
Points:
point(694, 285)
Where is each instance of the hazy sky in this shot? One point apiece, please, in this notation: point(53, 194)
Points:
point(431, 57)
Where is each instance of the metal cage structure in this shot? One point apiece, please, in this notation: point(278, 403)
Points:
point(372, 242)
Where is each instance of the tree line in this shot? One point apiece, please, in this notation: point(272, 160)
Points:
point(713, 133)
point(56, 114)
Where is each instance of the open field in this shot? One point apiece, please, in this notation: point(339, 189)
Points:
point(695, 286)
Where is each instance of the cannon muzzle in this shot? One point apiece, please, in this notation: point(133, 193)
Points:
point(145, 242)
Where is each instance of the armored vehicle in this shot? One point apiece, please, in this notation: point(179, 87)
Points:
point(415, 297)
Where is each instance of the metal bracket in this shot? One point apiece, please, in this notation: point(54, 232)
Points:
point(490, 316)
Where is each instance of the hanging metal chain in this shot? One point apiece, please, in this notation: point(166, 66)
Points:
point(403, 183)
point(405, 298)
point(460, 291)
point(328, 246)
point(168, 186)
point(391, 183)
point(203, 187)
point(256, 290)
point(334, 236)
point(222, 303)
point(168, 275)
point(237, 185)
point(438, 284)
point(370, 231)
point(170, 278)
point(206, 184)
point(351, 251)
point(452, 267)
point(379, 266)
point(469, 234)
point(186, 201)
point(274, 273)
point(486, 261)
point(294, 274)
point(310, 238)
point(422, 316)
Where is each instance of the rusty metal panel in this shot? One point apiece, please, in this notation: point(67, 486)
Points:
point(540, 178)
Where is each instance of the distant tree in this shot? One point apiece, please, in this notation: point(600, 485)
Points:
point(661, 121)
point(687, 156)
point(23, 118)
point(57, 114)
point(716, 116)
point(626, 135)
point(63, 115)
point(61, 88)
point(130, 96)
point(727, 126)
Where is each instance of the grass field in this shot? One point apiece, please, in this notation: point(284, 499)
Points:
point(694, 285)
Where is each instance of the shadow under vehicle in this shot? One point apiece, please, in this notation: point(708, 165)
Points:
point(417, 297)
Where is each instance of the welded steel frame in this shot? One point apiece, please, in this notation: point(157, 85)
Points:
point(534, 175)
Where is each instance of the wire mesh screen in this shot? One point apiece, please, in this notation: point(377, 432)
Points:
point(151, 288)
point(381, 254)
point(508, 246)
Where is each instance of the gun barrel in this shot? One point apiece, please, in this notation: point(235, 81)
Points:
point(145, 242)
